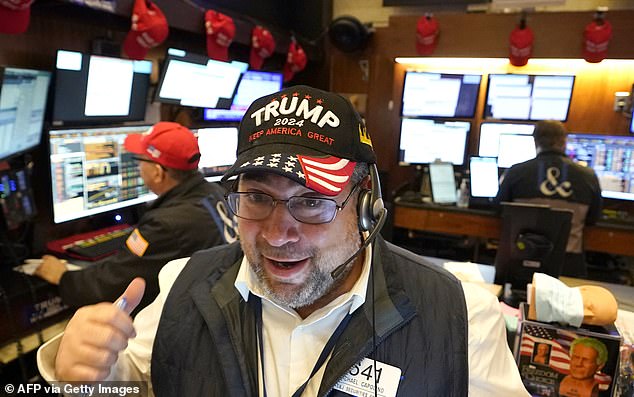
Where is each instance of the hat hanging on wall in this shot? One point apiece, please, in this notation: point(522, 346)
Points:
point(15, 16)
point(427, 31)
point(262, 46)
point(521, 43)
point(220, 31)
point(348, 34)
point(596, 38)
point(149, 29)
point(295, 60)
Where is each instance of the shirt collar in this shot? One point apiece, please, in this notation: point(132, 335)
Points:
point(246, 282)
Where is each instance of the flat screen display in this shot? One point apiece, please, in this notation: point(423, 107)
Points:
point(611, 158)
point(425, 141)
point(194, 80)
point(92, 173)
point(528, 97)
point(440, 94)
point(217, 150)
point(99, 89)
point(489, 142)
point(253, 85)
point(22, 104)
point(443, 183)
point(483, 174)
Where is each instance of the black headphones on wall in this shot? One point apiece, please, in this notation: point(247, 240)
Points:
point(371, 206)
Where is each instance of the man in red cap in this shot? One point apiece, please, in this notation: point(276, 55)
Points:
point(176, 224)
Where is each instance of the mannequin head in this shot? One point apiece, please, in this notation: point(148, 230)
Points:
point(599, 305)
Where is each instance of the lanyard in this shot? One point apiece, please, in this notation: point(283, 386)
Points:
point(256, 302)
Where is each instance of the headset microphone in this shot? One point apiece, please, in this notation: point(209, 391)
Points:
point(372, 216)
point(375, 231)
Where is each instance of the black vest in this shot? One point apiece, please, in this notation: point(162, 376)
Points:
point(206, 340)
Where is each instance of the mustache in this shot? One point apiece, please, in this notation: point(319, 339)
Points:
point(286, 250)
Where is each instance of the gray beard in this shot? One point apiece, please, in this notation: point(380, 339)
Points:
point(319, 281)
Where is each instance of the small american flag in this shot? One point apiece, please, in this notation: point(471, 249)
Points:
point(559, 340)
point(136, 243)
point(326, 175)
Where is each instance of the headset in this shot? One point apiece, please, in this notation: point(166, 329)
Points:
point(372, 216)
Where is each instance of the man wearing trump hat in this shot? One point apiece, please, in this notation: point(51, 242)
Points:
point(168, 158)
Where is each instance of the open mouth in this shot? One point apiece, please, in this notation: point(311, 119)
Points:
point(285, 265)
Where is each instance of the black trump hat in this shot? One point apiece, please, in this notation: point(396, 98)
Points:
point(311, 136)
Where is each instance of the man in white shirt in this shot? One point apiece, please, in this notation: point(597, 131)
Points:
point(311, 302)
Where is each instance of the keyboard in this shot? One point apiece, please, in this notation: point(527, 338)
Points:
point(100, 245)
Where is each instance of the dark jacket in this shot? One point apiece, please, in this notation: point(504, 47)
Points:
point(553, 179)
point(206, 340)
point(176, 225)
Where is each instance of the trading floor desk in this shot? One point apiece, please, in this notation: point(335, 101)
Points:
point(604, 237)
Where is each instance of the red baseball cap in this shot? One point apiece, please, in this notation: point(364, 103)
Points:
point(167, 143)
point(295, 60)
point(15, 15)
point(426, 34)
point(262, 47)
point(220, 33)
point(149, 29)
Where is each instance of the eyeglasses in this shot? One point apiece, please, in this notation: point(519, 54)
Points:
point(258, 206)
point(137, 158)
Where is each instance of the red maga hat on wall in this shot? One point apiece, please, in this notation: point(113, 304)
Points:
point(520, 45)
point(262, 46)
point(15, 16)
point(596, 39)
point(149, 29)
point(220, 33)
point(295, 60)
point(427, 30)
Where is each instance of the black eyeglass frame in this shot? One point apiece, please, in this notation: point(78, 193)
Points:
point(287, 201)
point(139, 158)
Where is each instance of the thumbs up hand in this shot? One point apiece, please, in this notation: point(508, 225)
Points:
point(95, 335)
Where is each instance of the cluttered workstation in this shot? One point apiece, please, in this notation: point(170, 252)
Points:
point(499, 140)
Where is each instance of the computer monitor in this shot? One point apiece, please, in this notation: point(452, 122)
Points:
point(16, 198)
point(489, 142)
point(217, 150)
point(22, 104)
point(189, 79)
point(528, 97)
point(632, 121)
point(428, 94)
point(515, 149)
point(424, 141)
point(612, 159)
point(533, 239)
point(443, 183)
point(483, 174)
point(92, 173)
point(97, 89)
point(253, 85)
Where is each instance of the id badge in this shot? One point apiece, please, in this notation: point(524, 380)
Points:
point(360, 380)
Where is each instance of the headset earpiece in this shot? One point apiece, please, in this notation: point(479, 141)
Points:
point(370, 202)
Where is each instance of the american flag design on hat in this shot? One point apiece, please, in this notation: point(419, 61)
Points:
point(326, 175)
